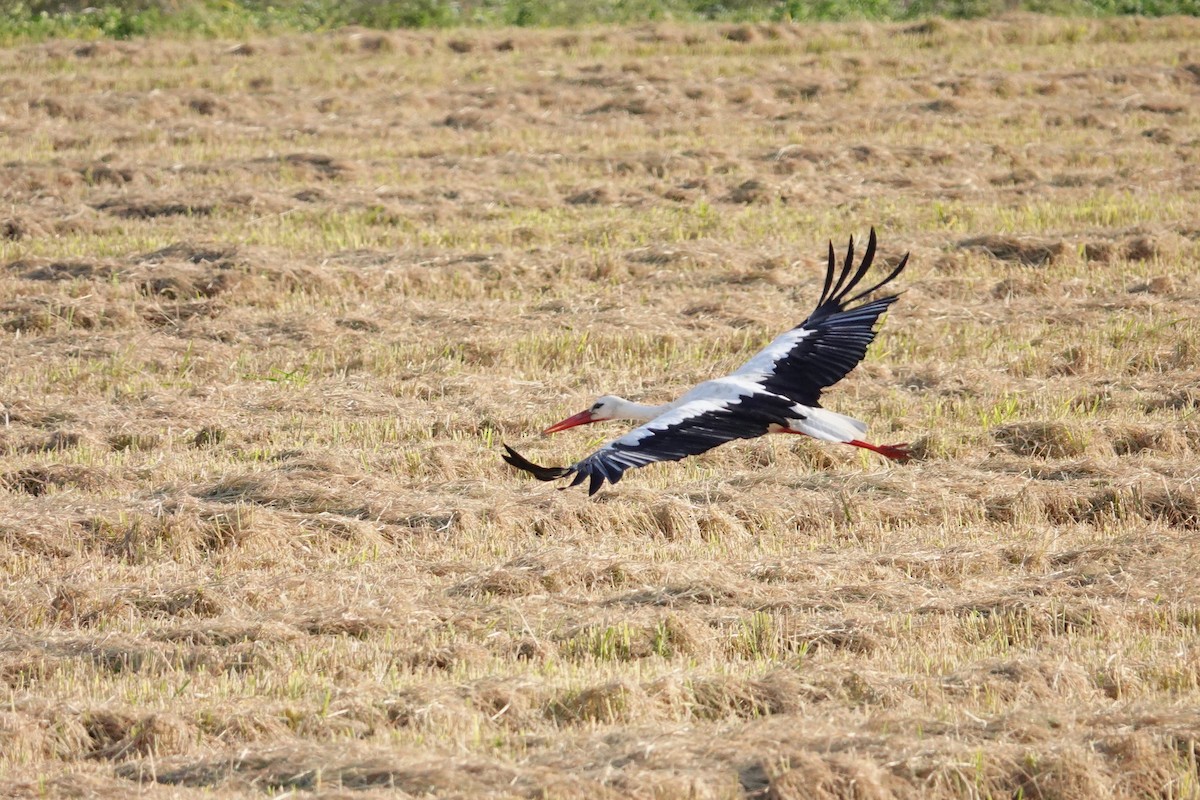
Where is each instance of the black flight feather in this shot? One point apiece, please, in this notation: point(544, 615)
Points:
point(899, 268)
point(541, 473)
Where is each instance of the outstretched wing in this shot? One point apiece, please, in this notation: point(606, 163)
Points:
point(820, 351)
point(688, 430)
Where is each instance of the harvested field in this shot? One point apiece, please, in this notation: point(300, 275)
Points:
point(269, 308)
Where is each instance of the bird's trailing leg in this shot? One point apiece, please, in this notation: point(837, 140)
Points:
point(896, 452)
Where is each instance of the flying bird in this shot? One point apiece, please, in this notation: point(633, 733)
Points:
point(776, 391)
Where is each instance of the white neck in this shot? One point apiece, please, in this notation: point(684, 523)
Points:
point(627, 409)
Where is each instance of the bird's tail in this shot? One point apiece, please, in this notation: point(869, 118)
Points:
point(829, 426)
point(541, 473)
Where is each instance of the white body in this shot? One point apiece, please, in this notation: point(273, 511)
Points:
point(819, 423)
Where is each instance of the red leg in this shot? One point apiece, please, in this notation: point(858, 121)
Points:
point(896, 452)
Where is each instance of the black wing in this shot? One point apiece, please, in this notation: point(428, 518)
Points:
point(687, 430)
point(541, 473)
point(820, 351)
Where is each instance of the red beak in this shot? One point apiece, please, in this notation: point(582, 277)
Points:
point(582, 418)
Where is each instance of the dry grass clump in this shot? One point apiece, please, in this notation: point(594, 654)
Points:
point(39, 480)
point(1029, 252)
point(1042, 439)
point(269, 308)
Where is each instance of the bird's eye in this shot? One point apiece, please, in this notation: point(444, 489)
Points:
point(596, 407)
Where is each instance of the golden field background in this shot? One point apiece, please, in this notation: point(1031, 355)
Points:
point(269, 308)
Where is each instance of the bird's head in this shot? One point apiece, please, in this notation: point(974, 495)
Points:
point(606, 407)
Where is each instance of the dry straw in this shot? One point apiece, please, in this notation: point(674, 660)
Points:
point(269, 309)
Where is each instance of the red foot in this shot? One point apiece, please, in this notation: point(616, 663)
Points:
point(896, 452)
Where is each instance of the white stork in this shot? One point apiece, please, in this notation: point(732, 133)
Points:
point(776, 391)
